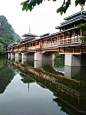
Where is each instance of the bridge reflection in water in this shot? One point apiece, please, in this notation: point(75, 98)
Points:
point(70, 91)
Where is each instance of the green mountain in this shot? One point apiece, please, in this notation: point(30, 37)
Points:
point(7, 34)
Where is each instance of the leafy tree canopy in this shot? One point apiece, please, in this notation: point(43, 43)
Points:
point(30, 4)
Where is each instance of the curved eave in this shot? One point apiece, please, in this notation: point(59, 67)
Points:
point(29, 35)
point(69, 22)
point(78, 13)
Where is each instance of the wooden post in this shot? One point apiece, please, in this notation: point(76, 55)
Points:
point(74, 35)
point(59, 49)
point(51, 41)
point(64, 39)
point(59, 39)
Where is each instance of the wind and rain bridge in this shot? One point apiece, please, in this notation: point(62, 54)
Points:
point(66, 41)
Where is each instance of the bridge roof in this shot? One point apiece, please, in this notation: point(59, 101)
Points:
point(75, 15)
point(29, 35)
point(44, 35)
point(13, 45)
point(73, 18)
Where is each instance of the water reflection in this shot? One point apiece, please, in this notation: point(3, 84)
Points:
point(69, 90)
point(77, 73)
point(6, 75)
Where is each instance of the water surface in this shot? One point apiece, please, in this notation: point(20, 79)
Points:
point(34, 88)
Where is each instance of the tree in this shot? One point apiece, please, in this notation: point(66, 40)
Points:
point(30, 4)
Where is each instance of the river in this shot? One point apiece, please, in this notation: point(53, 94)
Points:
point(30, 87)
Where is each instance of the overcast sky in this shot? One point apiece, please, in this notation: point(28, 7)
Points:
point(41, 20)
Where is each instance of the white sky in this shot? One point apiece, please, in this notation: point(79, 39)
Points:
point(41, 20)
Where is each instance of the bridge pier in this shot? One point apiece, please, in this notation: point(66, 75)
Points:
point(44, 56)
point(9, 55)
point(12, 56)
point(75, 60)
point(37, 56)
point(18, 56)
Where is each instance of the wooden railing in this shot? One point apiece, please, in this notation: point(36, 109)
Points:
point(60, 42)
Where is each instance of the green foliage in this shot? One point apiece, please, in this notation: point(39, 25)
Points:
point(64, 7)
point(83, 38)
point(30, 4)
point(59, 60)
point(82, 28)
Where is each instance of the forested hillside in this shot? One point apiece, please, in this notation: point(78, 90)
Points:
point(7, 34)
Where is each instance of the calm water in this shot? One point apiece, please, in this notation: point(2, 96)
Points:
point(41, 88)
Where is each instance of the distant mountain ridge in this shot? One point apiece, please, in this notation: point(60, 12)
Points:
point(7, 34)
point(6, 28)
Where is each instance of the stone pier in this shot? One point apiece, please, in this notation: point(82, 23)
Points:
point(12, 56)
point(18, 56)
point(9, 55)
point(75, 60)
point(44, 56)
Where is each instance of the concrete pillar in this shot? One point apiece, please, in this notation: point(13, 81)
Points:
point(75, 60)
point(9, 55)
point(44, 56)
point(18, 56)
point(12, 56)
point(37, 56)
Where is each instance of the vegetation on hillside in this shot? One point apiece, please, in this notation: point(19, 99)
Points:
point(7, 34)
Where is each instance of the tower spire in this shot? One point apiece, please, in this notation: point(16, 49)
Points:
point(29, 29)
point(82, 7)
